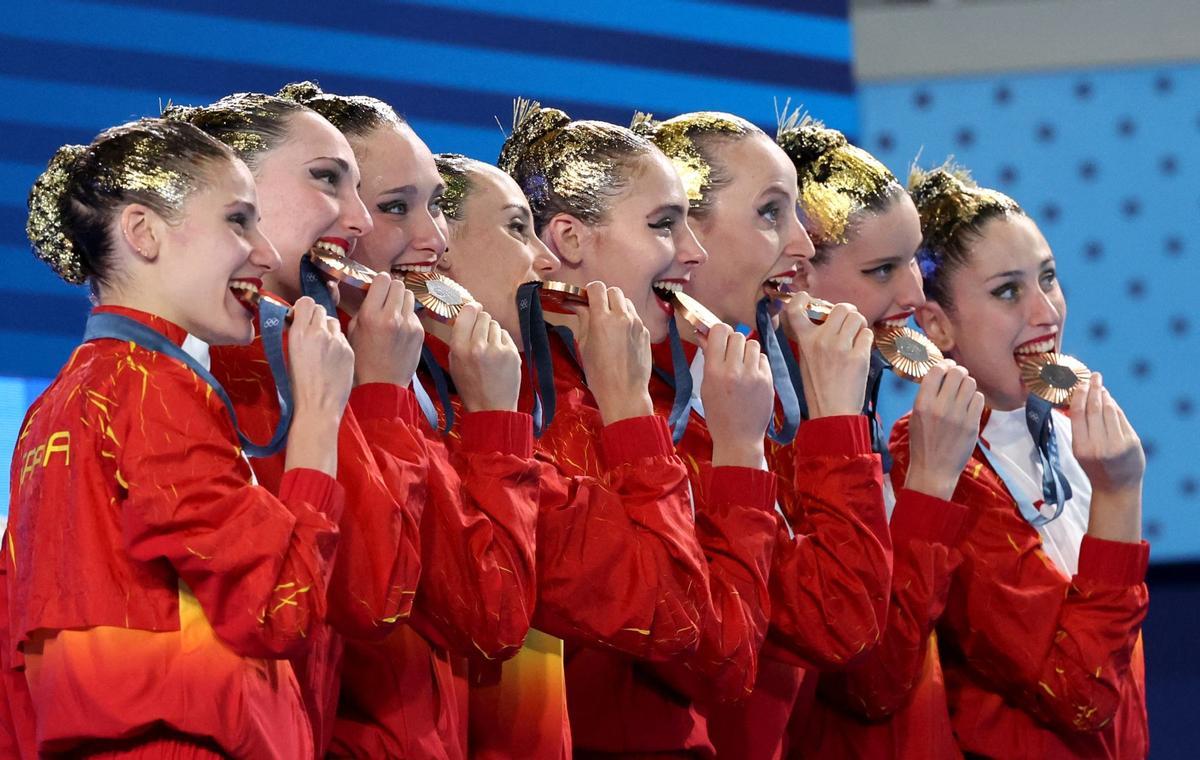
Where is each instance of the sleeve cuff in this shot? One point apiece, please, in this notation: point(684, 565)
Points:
point(324, 493)
point(1116, 563)
point(927, 518)
point(629, 440)
point(742, 485)
point(498, 431)
point(843, 435)
point(384, 401)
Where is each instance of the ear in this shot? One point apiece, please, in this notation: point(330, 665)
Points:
point(142, 229)
point(933, 320)
point(568, 238)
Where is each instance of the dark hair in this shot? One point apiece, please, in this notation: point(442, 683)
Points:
point(953, 213)
point(353, 115)
point(568, 167)
point(154, 162)
point(836, 182)
point(250, 123)
point(691, 141)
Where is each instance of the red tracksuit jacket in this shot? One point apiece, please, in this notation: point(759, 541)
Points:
point(378, 563)
point(402, 697)
point(1036, 664)
point(829, 579)
point(147, 573)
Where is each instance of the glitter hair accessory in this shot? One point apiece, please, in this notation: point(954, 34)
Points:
point(45, 225)
point(455, 170)
point(947, 199)
point(836, 180)
point(676, 138)
point(565, 165)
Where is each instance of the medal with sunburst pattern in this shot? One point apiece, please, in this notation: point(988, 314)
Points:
point(1053, 377)
point(442, 297)
point(342, 269)
point(910, 353)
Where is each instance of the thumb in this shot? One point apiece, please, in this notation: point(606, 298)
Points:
point(583, 328)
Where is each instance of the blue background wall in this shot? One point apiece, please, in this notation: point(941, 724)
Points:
point(69, 69)
point(1106, 161)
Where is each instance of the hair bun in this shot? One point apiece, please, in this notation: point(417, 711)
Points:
point(172, 112)
point(644, 124)
point(300, 92)
point(806, 140)
point(531, 124)
point(45, 227)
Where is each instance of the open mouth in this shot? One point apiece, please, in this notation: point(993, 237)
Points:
point(247, 291)
point(895, 321)
point(779, 285)
point(1043, 345)
point(334, 245)
point(666, 291)
point(424, 267)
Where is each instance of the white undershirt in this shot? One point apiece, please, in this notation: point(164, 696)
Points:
point(1011, 443)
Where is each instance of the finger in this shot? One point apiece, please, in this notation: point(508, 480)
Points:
point(377, 293)
point(735, 349)
point(408, 303)
point(616, 300)
point(837, 317)
point(797, 313)
point(1078, 410)
point(493, 333)
point(1112, 418)
point(752, 351)
point(930, 386)
point(1095, 404)
point(975, 409)
point(483, 324)
point(333, 326)
point(464, 324)
point(716, 343)
point(863, 341)
point(335, 291)
point(394, 303)
point(966, 390)
point(584, 316)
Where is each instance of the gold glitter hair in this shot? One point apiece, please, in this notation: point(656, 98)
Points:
point(565, 166)
point(249, 122)
point(153, 162)
point(456, 171)
point(690, 141)
point(953, 211)
point(836, 181)
point(353, 115)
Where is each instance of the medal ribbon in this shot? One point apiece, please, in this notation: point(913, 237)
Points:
point(271, 317)
point(680, 378)
point(871, 408)
point(539, 364)
point(1056, 489)
point(781, 377)
point(312, 284)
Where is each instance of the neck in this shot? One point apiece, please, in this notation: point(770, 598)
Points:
point(285, 288)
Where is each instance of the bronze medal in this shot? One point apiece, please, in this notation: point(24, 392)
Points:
point(910, 353)
point(342, 269)
point(695, 313)
point(1053, 377)
point(442, 297)
point(557, 294)
point(818, 309)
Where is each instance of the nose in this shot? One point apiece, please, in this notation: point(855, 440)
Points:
point(263, 253)
point(799, 245)
point(355, 217)
point(910, 289)
point(688, 250)
point(1044, 313)
point(429, 234)
point(544, 262)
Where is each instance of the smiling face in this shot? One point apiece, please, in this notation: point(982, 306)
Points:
point(401, 188)
point(1004, 300)
point(750, 230)
point(493, 249)
point(643, 242)
point(309, 190)
point(876, 269)
point(211, 260)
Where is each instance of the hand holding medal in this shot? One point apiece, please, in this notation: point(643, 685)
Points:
point(1052, 377)
point(440, 296)
point(910, 353)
